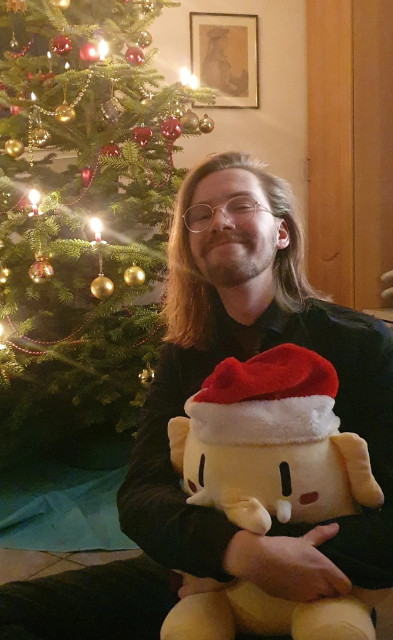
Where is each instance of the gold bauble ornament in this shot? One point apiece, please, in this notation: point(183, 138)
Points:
point(4, 273)
point(14, 147)
point(102, 287)
point(206, 124)
point(39, 137)
point(148, 6)
point(41, 270)
point(61, 4)
point(64, 113)
point(143, 39)
point(190, 121)
point(134, 276)
point(146, 376)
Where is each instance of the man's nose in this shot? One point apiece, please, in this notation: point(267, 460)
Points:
point(221, 219)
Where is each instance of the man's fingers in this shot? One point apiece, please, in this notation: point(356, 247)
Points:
point(321, 533)
point(341, 583)
point(338, 581)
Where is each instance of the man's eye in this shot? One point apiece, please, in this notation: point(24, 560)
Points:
point(241, 206)
point(200, 214)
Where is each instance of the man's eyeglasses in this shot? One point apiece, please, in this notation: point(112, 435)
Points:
point(238, 210)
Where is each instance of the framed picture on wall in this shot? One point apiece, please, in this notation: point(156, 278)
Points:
point(224, 56)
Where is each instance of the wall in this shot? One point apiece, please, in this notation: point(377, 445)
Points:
point(277, 131)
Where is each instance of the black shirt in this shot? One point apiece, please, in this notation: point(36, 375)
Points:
point(152, 506)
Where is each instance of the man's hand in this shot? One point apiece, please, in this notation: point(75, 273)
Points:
point(289, 568)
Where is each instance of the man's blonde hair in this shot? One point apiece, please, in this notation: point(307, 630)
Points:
point(187, 307)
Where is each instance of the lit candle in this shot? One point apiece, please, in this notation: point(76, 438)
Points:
point(49, 56)
point(96, 226)
point(188, 79)
point(67, 66)
point(184, 76)
point(34, 197)
point(103, 49)
point(33, 96)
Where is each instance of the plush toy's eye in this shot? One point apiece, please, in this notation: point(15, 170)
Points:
point(191, 485)
point(201, 470)
point(285, 479)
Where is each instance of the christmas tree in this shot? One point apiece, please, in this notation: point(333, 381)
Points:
point(82, 247)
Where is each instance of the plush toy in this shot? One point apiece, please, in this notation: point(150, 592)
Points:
point(262, 440)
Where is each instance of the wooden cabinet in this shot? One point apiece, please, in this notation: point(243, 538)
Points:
point(350, 115)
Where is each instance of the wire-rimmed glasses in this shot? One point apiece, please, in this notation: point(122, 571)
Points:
point(238, 210)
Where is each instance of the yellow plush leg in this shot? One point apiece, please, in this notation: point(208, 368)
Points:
point(333, 619)
point(203, 616)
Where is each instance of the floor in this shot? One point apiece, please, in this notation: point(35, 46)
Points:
point(18, 564)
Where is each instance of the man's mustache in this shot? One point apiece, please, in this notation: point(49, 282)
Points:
point(216, 239)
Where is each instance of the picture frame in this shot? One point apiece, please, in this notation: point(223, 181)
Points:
point(225, 57)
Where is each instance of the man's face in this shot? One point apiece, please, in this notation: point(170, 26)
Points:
point(229, 255)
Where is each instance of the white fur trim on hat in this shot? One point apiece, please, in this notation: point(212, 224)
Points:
point(288, 420)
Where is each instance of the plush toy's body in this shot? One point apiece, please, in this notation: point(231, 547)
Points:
point(254, 451)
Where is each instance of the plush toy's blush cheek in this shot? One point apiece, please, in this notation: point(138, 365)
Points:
point(309, 498)
point(192, 486)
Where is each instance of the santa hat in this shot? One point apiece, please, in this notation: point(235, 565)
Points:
point(283, 395)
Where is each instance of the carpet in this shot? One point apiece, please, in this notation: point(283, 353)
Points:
point(47, 506)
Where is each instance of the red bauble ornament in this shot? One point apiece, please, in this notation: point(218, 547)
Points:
point(86, 176)
point(134, 56)
point(29, 75)
point(46, 76)
point(171, 128)
point(142, 135)
point(14, 110)
point(88, 52)
point(111, 150)
point(23, 202)
point(61, 45)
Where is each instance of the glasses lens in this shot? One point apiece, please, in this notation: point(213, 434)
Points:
point(240, 209)
point(197, 218)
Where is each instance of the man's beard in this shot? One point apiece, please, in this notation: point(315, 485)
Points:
point(232, 273)
point(237, 270)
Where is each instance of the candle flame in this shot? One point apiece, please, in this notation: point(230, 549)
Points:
point(185, 76)
point(34, 197)
point(103, 49)
point(96, 225)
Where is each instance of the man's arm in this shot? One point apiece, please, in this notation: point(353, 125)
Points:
point(152, 507)
point(290, 568)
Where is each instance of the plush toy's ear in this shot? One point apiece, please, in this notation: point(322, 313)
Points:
point(178, 429)
point(365, 489)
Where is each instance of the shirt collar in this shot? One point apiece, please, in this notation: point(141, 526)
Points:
point(272, 319)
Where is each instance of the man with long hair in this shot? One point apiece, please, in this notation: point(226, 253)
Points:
point(236, 287)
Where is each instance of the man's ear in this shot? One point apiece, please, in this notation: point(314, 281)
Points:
point(282, 235)
point(178, 429)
